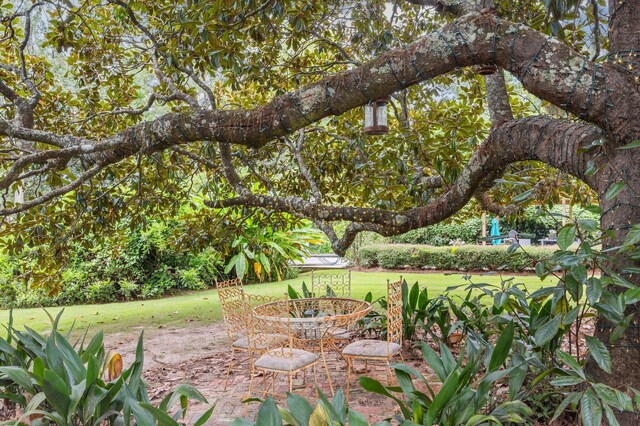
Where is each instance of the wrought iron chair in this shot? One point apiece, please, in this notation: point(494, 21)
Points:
point(236, 305)
point(333, 285)
point(276, 356)
point(380, 350)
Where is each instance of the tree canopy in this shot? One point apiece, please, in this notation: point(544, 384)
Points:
point(102, 83)
point(118, 111)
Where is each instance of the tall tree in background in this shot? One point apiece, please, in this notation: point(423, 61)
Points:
point(128, 109)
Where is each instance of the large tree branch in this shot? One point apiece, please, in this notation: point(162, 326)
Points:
point(545, 66)
point(84, 177)
point(297, 154)
point(498, 98)
point(554, 142)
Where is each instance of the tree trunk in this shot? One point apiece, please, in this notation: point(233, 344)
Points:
point(618, 214)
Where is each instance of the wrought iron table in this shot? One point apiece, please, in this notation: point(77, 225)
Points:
point(313, 321)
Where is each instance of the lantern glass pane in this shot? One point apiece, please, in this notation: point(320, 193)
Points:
point(368, 115)
point(382, 115)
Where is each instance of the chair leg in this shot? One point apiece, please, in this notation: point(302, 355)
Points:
point(251, 374)
point(326, 367)
point(226, 382)
point(273, 383)
point(349, 368)
point(265, 383)
point(338, 351)
point(315, 380)
point(389, 373)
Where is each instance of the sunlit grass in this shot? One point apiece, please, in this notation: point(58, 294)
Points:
point(203, 307)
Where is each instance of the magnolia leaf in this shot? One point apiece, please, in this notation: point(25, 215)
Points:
point(631, 145)
point(566, 236)
point(599, 352)
point(614, 190)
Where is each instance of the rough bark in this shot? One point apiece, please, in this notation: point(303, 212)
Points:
point(618, 215)
point(546, 67)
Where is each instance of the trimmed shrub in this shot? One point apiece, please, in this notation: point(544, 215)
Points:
point(464, 258)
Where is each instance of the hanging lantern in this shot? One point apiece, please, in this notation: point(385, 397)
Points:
point(375, 117)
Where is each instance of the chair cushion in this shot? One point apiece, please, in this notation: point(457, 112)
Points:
point(286, 359)
point(371, 348)
point(276, 339)
point(342, 333)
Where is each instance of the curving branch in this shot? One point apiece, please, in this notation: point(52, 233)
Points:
point(554, 142)
point(197, 158)
point(547, 68)
point(297, 154)
point(84, 177)
point(498, 98)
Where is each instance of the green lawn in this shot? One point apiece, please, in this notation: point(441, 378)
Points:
point(203, 307)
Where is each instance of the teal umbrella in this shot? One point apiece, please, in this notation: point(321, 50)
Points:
point(495, 231)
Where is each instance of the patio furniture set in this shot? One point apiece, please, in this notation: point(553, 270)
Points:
point(284, 336)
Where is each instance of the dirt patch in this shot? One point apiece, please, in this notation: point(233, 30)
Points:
point(199, 356)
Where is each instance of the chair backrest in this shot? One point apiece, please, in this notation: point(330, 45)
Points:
point(394, 311)
point(234, 307)
point(267, 326)
point(331, 285)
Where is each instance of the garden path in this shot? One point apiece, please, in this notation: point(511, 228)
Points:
point(199, 356)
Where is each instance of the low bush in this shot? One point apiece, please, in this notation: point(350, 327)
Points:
point(47, 380)
point(465, 258)
point(148, 264)
point(145, 267)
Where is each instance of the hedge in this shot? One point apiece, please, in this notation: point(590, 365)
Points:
point(463, 258)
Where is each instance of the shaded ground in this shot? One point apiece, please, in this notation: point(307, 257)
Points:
point(199, 356)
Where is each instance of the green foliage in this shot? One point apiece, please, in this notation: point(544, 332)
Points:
point(517, 339)
point(299, 412)
point(149, 265)
point(467, 384)
point(533, 223)
point(441, 234)
point(225, 43)
point(263, 252)
point(46, 377)
point(465, 258)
